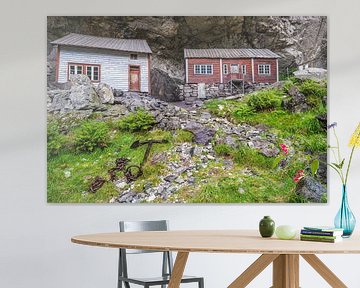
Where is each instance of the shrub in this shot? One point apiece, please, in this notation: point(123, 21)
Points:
point(243, 111)
point(311, 87)
point(140, 120)
point(91, 135)
point(55, 139)
point(265, 100)
point(223, 150)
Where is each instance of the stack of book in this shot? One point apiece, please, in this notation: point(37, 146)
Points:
point(321, 234)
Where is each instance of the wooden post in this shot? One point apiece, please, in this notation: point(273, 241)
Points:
point(286, 271)
point(178, 269)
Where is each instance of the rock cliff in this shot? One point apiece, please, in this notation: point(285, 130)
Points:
point(298, 39)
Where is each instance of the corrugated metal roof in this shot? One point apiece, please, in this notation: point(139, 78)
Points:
point(80, 40)
point(229, 53)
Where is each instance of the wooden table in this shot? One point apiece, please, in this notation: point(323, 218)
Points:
point(284, 254)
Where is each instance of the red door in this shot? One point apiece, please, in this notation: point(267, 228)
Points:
point(134, 76)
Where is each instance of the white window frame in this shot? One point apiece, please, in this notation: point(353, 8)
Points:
point(203, 69)
point(243, 69)
point(233, 66)
point(84, 70)
point(262, 69)
point(226, 69)
point(92, 73)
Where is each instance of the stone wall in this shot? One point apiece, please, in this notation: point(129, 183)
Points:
point(192, 92)
point(214, 90)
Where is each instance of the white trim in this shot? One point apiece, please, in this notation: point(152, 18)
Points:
point(186, 70)
point(252, 70)
point(206, 66)
point(264, 74)
point(277, 70)
point(227, 69)
point(221, 71)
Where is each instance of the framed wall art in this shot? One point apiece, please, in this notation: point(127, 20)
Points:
point(187, 109)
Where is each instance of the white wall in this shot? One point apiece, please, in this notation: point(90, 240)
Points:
point(114, 69)
point(35, 248)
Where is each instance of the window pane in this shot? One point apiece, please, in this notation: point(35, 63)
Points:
point(225, 69)
point(79, 69)
point(234, 68)
point(88, 72)
point(72, 69)
point(203, 69)
point(197, 69)
point(209, 69)
point(243, 69)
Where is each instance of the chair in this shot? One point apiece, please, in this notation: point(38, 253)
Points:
point(167, 262)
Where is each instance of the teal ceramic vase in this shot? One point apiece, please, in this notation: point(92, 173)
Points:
point(266, 227)
point(345, 219)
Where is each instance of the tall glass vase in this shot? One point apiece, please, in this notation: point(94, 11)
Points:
point(345, 219)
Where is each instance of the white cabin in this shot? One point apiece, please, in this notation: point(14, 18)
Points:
point(121, 63)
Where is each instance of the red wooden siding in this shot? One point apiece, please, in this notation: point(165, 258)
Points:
point(228, 77)
point(204, 78)
point(272, 78)
point(216, 77)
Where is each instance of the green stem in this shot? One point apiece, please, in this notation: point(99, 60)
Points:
point(338, 145)
point(348, 166)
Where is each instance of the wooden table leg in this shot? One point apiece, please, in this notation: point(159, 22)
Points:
point(178, 270)
point(324, 271)
point(286, 271)
point(253, 270)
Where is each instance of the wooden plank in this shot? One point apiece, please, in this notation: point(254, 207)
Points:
point(253, 270)
point(279, 271)
point(293, 270)
point(286, 271)
point(178, 269)
point(324, 271)
point(220, 241)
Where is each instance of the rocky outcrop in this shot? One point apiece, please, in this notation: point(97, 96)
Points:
point(310, 189)
point(297, 39)
point(316, 74)
point(296, 102)
point(80, 96)
point(163, 86)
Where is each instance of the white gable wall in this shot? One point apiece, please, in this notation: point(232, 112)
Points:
point(114, 65)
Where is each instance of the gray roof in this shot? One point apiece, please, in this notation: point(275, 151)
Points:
point(229, 53)
point(79, 40)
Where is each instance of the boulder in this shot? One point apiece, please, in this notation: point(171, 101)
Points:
point(310, 189)
point(296, 102)
point(105, 93)
point(202, 134)
point(82, 94)
point(163, 86)
point(323, 121)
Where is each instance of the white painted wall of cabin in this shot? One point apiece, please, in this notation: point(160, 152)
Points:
point(114, 65)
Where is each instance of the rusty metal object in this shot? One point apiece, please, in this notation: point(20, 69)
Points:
point(96, 184)
point(130, 176)
point(131, 172)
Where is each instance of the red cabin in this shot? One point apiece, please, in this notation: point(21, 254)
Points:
point(222, 65)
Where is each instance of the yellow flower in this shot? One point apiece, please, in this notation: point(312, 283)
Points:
point(355, 138)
